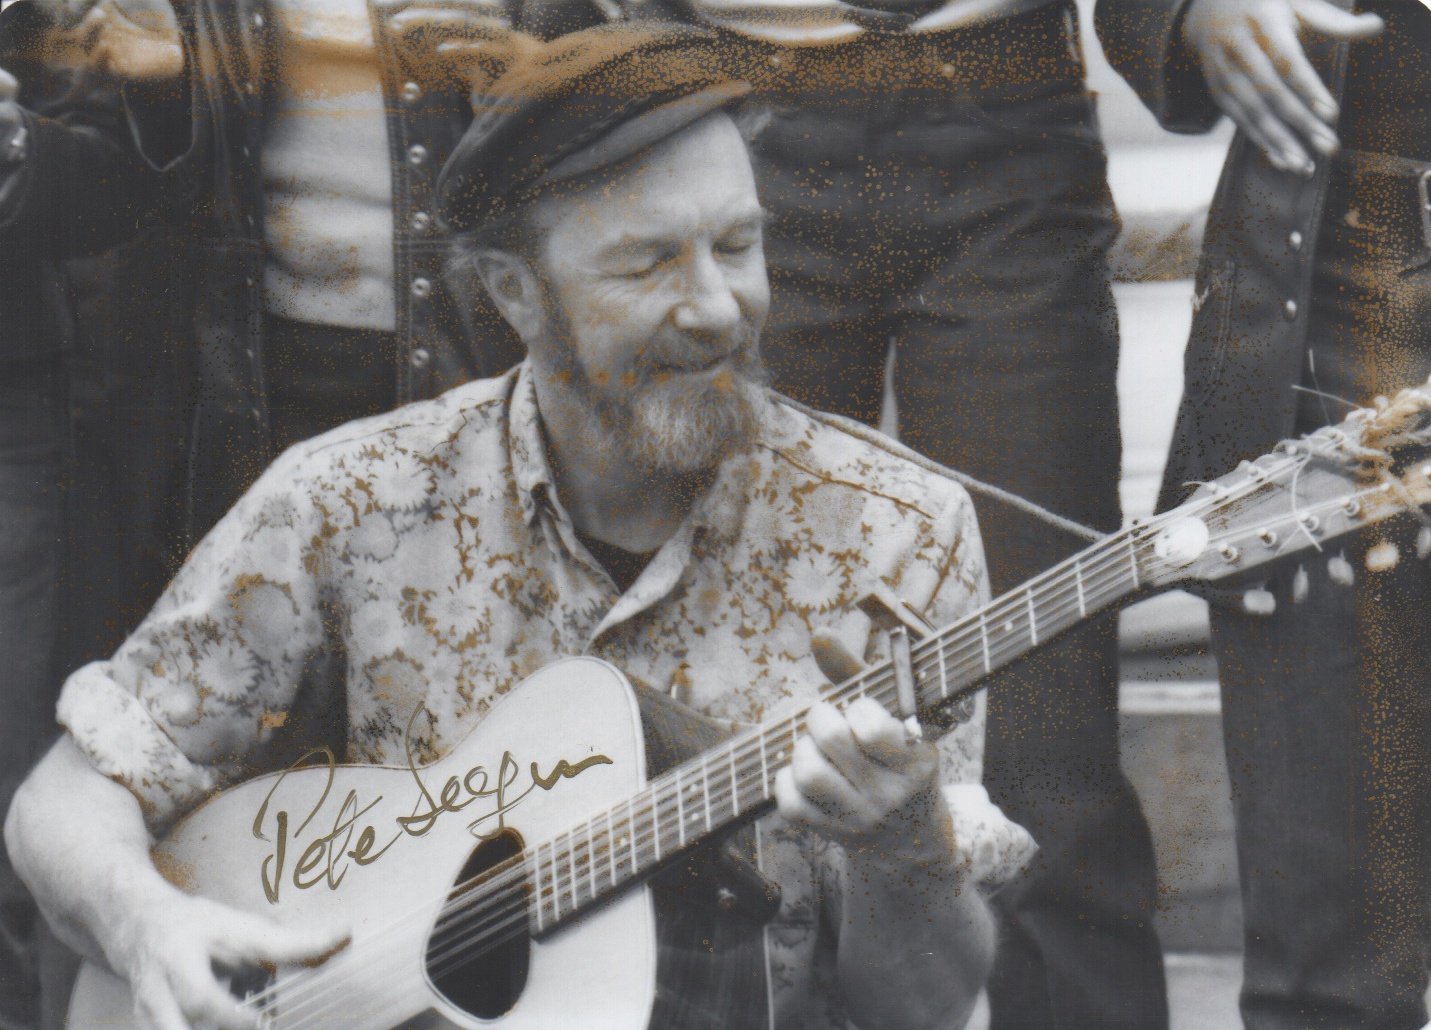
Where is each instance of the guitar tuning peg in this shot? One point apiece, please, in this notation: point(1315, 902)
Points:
point(1299, 585)
point(1259, 601)
point(1382, 557)
point(1340, 570)
point(1423, 543)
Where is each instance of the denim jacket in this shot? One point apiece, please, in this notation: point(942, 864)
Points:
point(1254, 280)
point(205, 141)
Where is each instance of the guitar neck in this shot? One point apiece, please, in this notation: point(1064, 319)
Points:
point(734, 782)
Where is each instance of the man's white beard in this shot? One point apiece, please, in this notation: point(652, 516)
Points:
point(675, 424)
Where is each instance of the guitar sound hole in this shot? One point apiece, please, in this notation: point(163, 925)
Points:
point(478, 953)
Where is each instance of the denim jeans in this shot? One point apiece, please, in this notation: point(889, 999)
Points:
point(1327, 702)
point(31, 524)
point(969, 228)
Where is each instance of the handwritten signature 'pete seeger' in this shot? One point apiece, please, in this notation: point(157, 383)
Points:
point(326, 858)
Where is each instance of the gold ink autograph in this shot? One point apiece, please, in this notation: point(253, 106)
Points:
point(326, 859)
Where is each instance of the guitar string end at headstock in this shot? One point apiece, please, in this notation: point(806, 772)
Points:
point(1300, 587)
point(1382, 557)
point(1259, 601)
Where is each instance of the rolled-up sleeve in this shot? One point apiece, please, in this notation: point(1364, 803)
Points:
point(1143, 41)
point(991, 846)
point(212, 672)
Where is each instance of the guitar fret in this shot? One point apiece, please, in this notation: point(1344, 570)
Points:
point(591, 859)
point(556, 886)
point(571, 868)
point(631, 834)
point(961, 658)
point(706, 790)
point(611, 847)
point(680, 810)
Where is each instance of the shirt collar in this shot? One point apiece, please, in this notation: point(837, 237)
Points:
point(530, 468)
point(719, 511)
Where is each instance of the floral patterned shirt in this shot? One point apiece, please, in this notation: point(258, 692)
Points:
point(431, 544)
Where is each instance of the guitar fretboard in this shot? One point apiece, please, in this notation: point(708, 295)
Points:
point(735, 782)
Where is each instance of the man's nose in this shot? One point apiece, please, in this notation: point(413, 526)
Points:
point(709, 303)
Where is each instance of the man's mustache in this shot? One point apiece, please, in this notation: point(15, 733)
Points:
point(675, 350)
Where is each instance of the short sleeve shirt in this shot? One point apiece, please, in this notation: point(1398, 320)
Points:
point(431, 544)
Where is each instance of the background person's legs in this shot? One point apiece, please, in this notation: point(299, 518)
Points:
point(31, 527)
point(977, 233)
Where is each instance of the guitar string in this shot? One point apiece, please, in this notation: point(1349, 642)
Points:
point(522, 916)
point(599, 846)
point(447, 924)
point(448, 921)
point(563, 884)
point(668, 794)
point(517, 911)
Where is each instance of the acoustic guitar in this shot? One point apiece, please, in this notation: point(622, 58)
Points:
point(515, 883)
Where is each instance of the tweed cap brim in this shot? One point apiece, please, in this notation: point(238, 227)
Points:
point(579, 103)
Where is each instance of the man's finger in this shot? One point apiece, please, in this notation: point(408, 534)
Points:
point(252, 939)
point(1221, 89)
point(9, 86)
point(799, 809)
point(1276, 139)
point(833, 738)
point(155, 1005)
point(1283, 103)
point(1322, 17)
point(1287, 54)
point(880, 735)
point(837, 662)
point(818, 779)
point(205, 999)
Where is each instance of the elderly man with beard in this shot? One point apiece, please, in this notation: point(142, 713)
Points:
point(630, 492)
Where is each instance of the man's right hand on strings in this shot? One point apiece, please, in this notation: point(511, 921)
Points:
point(1251, 54)
point(80, 840)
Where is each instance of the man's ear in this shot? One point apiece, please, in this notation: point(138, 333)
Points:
point(514, 288)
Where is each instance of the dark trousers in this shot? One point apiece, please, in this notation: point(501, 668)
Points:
point(31, 526)
point(1327, 703)
point(320, 376)
point(969, 227)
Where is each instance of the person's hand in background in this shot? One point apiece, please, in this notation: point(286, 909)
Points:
point(1251, 54)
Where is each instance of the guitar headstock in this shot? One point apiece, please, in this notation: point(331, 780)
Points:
point(1373, 465)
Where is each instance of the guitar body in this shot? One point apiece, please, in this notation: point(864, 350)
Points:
point(576, 786)
point(600, 970)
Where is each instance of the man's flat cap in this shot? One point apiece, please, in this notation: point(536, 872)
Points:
point(578, 103)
